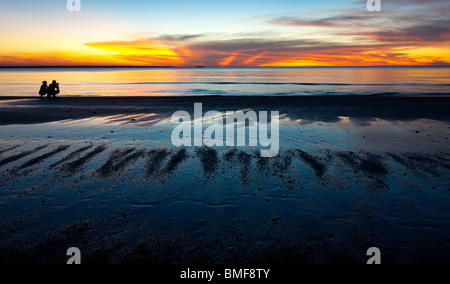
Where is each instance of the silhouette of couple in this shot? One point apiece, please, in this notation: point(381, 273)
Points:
point(51, 91)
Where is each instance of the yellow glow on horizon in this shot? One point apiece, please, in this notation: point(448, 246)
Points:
point(427, 55)
point(60, 51)
point(412, 57)
point(292, 63)
point(145, 52)
point(141, 52)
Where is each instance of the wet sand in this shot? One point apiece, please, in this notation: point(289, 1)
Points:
point(101, 174)
point(33, 110)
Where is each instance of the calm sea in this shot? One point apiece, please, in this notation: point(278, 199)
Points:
point(228, 81)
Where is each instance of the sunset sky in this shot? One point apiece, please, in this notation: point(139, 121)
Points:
point(225, 33)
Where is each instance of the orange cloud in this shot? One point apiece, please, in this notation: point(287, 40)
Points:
point(227, 61)
point(252, 59)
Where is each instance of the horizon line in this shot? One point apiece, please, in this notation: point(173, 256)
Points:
point(224, 67)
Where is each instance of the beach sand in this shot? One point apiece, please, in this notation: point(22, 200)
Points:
point(101, 174)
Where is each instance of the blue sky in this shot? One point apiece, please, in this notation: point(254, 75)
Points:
point(165, 16)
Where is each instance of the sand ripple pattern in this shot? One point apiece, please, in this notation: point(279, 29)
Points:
point(160, 163)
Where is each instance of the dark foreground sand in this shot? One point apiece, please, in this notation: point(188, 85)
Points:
point(352, 173)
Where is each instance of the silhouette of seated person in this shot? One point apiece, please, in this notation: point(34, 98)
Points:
point(53, 89)
point(44, 89)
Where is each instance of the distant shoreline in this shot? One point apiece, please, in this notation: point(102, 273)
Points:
point(220, 67)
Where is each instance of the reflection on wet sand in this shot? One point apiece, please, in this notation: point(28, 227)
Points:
point(103, 175)
point(307, 109)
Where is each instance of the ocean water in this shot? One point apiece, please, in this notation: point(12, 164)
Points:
point(228, 81)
